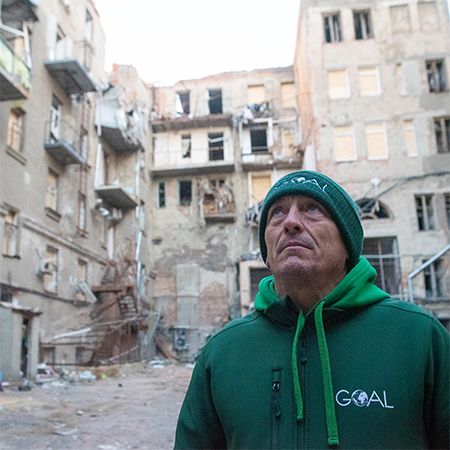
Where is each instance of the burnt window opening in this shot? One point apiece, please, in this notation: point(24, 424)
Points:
point(372, 208)
point(434, 280)
point(363, 25)
point(215, 101)
point(442, 133)
point(183, 102)
point(436, 74)
point(215, 146)
point(258, 139)
point(425, 212)
point(185, 193)
point(383, 254)
point(161, 194)
point(332, 27)
point(186, 145)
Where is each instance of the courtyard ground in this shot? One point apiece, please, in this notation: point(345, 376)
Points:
point(129, 407)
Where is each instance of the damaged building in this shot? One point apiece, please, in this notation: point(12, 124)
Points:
point(373, 84)
point(73, 275)
point(218, 144)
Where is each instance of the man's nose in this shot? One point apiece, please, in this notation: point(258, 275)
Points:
point(294, 221)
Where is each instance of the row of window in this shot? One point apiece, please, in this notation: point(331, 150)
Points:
point(383, 254)
point(370, 83)
point(363, 26)
point(377, 143)
point(256, 94)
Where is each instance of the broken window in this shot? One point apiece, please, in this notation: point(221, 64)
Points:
point(383, 254)
point(428, 16)
point(6, 293)
point(434, 280)
point(215, 146)
point(84, 141)
point(183, 103)
point(410, 138)
point(256, 94)
point(82, 209)
point(344, 148)
point(332, 27)
point(447, 208)
point(258, 138)
point(81, 278)
point(50, 270)
point(338, 84)
point(215, 101)
point(52, 194)
point(425, 212)
point(437, 77)
point(400, 19)
point(288, 97)
point(161, 194)
point(218, 197)
point(185, 193)
point(376, 141)
point(442, 133)
point(186, 145)
point(369, 81)
point(363, 24)
point(372, 208)
point(11, 233)
point(14, 138)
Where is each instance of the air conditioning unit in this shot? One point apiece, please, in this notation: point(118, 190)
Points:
point(46, 266)
point(180, 339)
point(116, 214)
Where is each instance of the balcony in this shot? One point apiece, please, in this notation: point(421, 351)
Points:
point(64, 143)
point(25, 9)
point(116, 196)
point(164, 124)
point(15, 75)
point(71, 71)
point(122, 131)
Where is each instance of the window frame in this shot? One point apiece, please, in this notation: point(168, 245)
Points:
point(425, 220)
point(340, 133)
point(184, 202)
point(16, 130)
point(442, 133)
point(382, 126)
point(49, 195)
point(363, 30)
point(436, 68)
point(377, 79)
point(161, 194)
point(11, 241)
point(216, 152)
point(333, 39)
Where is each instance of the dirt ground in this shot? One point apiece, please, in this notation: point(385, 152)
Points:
point(132, 407)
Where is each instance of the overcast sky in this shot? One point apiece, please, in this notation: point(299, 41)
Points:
point(171, 40)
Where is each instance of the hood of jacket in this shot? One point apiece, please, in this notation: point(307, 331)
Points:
point(355, 290)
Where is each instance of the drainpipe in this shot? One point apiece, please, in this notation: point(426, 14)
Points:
point(421, 268)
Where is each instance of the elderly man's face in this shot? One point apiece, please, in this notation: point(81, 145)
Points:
point(302, 239)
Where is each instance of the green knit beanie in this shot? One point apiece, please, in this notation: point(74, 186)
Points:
point(339, 204)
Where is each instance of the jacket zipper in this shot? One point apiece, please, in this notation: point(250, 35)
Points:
point(276, 410)
point(302, 437)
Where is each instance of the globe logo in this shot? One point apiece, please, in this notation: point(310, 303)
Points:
point(360, 398)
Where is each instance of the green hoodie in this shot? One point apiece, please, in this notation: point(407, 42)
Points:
point(358, 371)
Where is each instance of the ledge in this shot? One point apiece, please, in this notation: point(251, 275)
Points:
point(16, 155)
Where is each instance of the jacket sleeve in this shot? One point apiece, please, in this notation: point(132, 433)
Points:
point(437, 399)
point(198, 424)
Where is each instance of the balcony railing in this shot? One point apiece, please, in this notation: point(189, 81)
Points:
point(64, 143)
point(71, 68)
point(15, 75)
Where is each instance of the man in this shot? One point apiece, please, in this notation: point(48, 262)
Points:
point(327, 359)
